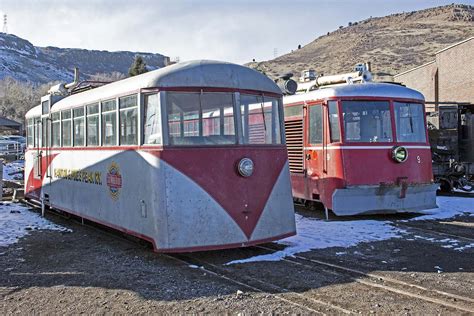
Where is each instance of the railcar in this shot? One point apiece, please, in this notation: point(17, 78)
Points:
point(189, 157)
point(451, 133)
point(359, 147)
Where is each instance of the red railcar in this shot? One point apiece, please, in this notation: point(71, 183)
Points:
point(360, 148)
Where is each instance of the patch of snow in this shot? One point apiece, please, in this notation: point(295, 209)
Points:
point(319, 234)
point(448, 207)
point(14, 170)
point(16, 221)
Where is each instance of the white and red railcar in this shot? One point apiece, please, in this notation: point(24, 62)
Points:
point(360, 148)
point(189, 157)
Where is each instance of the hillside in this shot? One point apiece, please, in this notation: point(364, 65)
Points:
point(393, 44)
point(21, 60)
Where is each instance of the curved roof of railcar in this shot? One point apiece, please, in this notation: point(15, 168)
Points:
point(369, 89)
point(197, 73)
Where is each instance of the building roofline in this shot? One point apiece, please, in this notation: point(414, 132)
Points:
point(413, 69)
point(459, 43)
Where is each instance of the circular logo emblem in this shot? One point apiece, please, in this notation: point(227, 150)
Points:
point(114, 180)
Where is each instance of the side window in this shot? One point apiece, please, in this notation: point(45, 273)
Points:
point(45, 107)
point(315, 124)
point(260, 119)
point(78, 127)
point(30, 132)
point(38, 131)
point(109, 123)
point(46, 132)
point(334, 121)
point(128, 120)
point(92, 112)
point(55, 133)
point(66, 128)
point(152, 120)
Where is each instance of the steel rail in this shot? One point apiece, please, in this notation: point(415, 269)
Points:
point(385, 279)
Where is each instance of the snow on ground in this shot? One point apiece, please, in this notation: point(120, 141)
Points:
point(319, 234)
point(11, 169)
point(448, 207)
point(17, 221)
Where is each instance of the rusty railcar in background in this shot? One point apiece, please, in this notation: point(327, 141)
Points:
point(451, 134)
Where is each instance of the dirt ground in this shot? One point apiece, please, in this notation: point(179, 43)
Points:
point(91, 270)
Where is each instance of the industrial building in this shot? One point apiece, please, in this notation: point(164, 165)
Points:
point(447, 79)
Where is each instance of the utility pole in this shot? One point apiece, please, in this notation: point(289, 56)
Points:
point(5, 27)
point(275, 52)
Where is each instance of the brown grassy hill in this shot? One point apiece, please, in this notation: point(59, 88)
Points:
point(393, 44)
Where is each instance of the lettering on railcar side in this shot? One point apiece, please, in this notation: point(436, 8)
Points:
point(85, 176)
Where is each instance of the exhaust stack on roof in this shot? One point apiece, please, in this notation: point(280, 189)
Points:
point(64, 89)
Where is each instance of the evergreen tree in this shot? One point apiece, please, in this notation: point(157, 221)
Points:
point(138, 67)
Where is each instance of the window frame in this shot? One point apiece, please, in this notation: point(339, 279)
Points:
point(338, 121)
point(394, 120)
point(165, 117)
point(102, 113)
point(56, 121)
point(79, 117)
point(321, 109)
point(99, 125)
point(144, 108)
point(126, 109)
point(343, 129)
point(70, 127)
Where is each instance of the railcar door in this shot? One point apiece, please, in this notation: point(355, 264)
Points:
point(37, 167)
point(314, 151)
point(46, 159)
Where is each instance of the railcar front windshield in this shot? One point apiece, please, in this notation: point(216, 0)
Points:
point(410, 122)
point(367, 121)
point(210, 118)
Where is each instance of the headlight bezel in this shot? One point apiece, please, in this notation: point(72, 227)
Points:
point(399, 154)
point(245, 167)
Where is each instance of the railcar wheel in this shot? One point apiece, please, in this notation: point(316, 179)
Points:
point(446, 186)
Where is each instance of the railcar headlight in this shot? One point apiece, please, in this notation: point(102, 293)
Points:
point(245, 167)
point(399, 154)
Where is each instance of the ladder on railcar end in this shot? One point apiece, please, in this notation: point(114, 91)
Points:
point(294, 144)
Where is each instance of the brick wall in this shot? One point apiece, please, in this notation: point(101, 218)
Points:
point(456, 73)
point(421, 79)
point(449, 78)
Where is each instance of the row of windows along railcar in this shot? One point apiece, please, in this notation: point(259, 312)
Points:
point(194, 118)
point(365, 121)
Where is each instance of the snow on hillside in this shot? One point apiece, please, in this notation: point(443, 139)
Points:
point(21, 60)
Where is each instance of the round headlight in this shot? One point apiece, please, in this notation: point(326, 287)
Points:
point(399, 154)
point(245, 167)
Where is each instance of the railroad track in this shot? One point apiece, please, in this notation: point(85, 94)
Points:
point(304, 301)
point(263, 286)
point(386, 283)
point(299, 300)
point(432, 231)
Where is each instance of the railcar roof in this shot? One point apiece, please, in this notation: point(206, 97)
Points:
point(369, 89)
point(197, 73)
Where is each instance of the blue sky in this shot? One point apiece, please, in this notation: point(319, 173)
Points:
point(235, 31)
